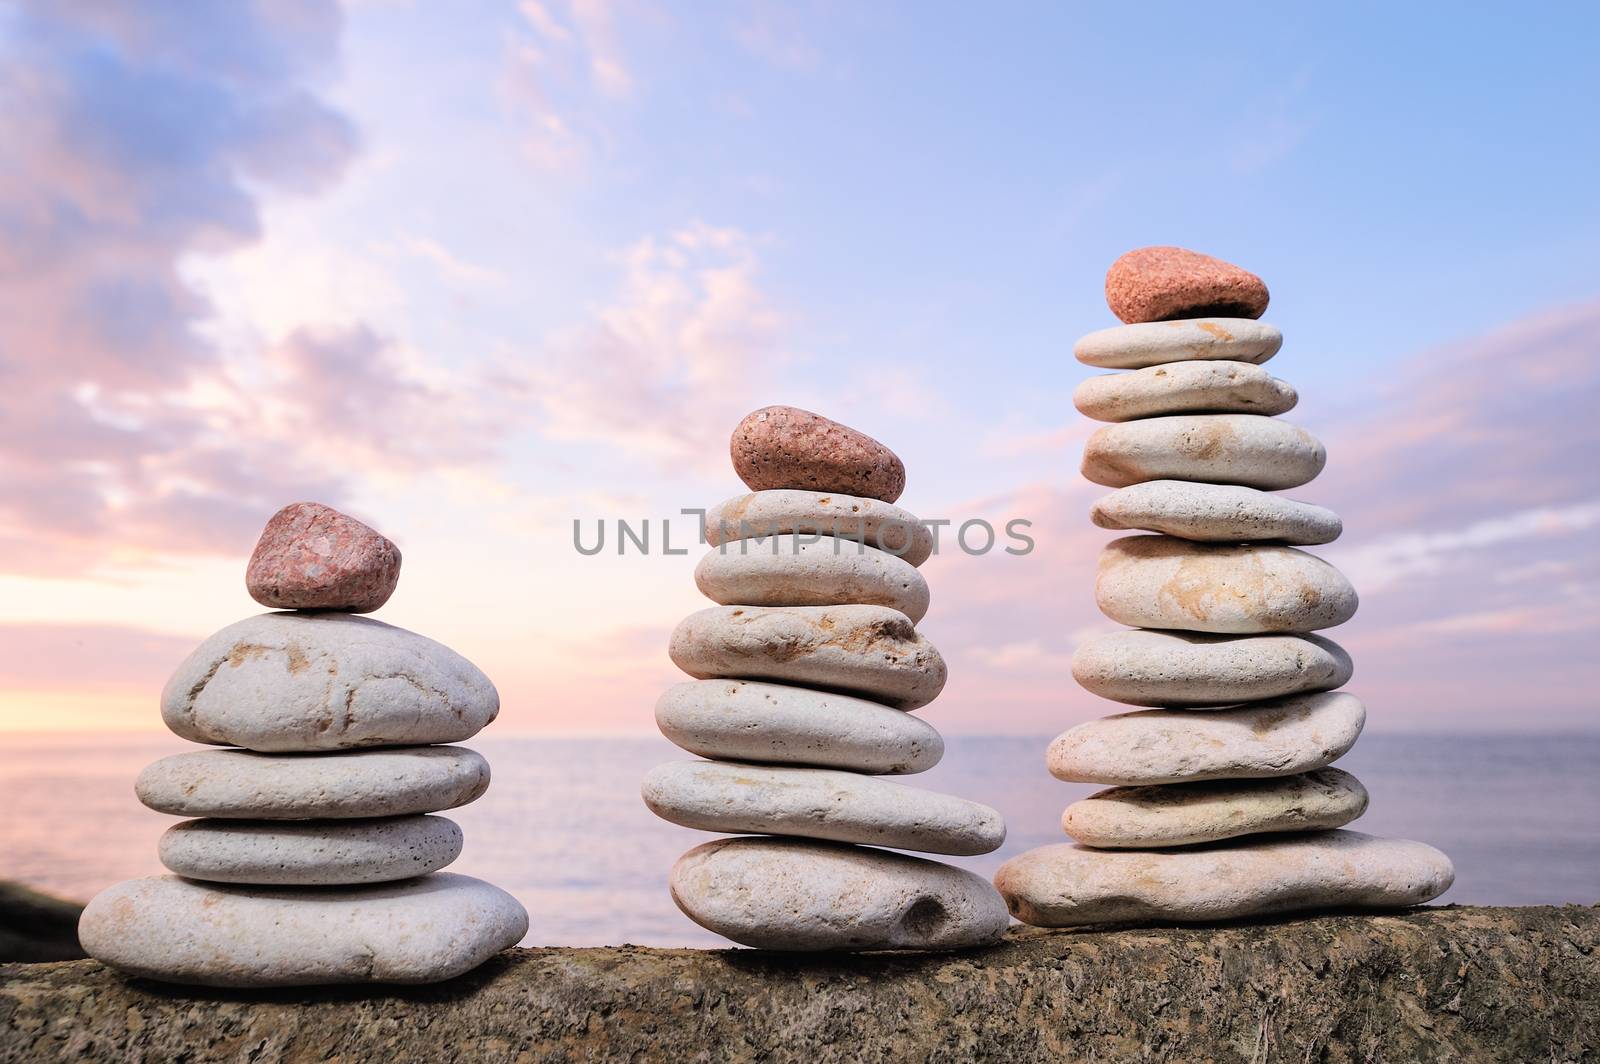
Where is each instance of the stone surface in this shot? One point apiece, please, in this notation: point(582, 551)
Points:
point(1217, 513)
point(1070, 886)
point(1162, 283)
point(1185, 814)
point(871, 651)
point(1248, 449)
point(816, 803)
point(737, 720)
point(1147, 668)
point(1279, 737)
point(1161, 582)
point(241, 784)
point(315, 853)
point(1184, 388)
point(778, 511)
point(1472, 984)
point(797, 571)
point(417, 931)
point(312, 557)
point(1165, 342)
point(791, 894)
point(291, 682)
point(786, 447)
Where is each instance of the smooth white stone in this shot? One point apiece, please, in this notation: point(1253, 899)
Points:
point(415, 931)
point(1218, 513)
point(737, 720)
point(1155, 668)
point(1155, 343)
point(796, 571)
point(1248, 449)
point(1069, 886)
point(817, 803)
point(310, 853)
point(284, 682)
point(792, 894)
point(246, 785)
point(785, 510)
point(871, 651)
point(1184, 388)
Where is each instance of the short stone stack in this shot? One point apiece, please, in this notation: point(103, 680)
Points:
point(312, 859)
point(1222, 802)
point(805, 676)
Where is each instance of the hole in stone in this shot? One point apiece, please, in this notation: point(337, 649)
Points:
point(925, 917)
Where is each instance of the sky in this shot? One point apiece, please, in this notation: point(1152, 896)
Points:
point(475, 272)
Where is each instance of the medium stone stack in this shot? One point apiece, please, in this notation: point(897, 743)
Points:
point(805, 676)
point(1222, 802)
point(312, 858)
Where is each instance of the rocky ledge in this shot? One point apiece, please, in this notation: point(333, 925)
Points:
point(1431, 984)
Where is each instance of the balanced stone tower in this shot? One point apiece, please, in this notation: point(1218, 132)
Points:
point(1221, 802)
point(805, 676)
point(312, 858)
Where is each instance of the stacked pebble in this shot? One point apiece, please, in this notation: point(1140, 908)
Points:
point(312, 858)
point(1212, 813)
point(804, 678)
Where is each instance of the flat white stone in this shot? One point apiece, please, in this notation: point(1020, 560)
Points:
point(1153, 668)
point(1069, 886)
point(1248, 449)
point(872, 651)
point(1279, 737)
point(1162, 582)
point(817, 803)
point(1155, 343)
point(325, 681)
point(1185, 814)
point(1219, 513)
point(415, 931)
point(800, 571)
point(355, 783)
point(785, 510)
point(792, 894)
point(310, 853)
point(1184, 388)
point(738, 720)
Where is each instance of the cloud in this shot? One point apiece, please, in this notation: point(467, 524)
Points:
point(567, 61)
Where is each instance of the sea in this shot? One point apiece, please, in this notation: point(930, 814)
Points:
point(562, 826)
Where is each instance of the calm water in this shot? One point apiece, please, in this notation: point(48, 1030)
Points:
point(564, 830)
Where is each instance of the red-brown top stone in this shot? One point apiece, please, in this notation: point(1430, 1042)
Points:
point(1164, 283)
point(786, 447)
point(312, 557)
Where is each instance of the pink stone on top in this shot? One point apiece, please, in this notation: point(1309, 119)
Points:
point(1166, 283)
point(312, 557)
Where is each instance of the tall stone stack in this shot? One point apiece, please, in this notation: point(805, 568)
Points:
point(805, 676)
point(312, 858)
point(1221, 802)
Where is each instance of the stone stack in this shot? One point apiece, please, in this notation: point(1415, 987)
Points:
point(805, 676)
point(1221, 802)
point(312, 858)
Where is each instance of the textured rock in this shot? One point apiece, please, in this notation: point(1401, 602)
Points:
point(1161, 582)
point(1275, 738)
point(313, 853)
point(777, 512)
point(1070, 886)
point(417, 931)
point(292, 682)
point(1185, 814)
point(356, 783)
point(1473, 984)
point(312, 557)
point(872, 651)
point(1165, 342)
point(786, 447)
point(1217, 513)
point(1248, 449)
point(737, 720)
point(1146, 668)
point(1184, 388)
point(817, 803)
point(794, 571)
point(1162, 283)
point(788, 894)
